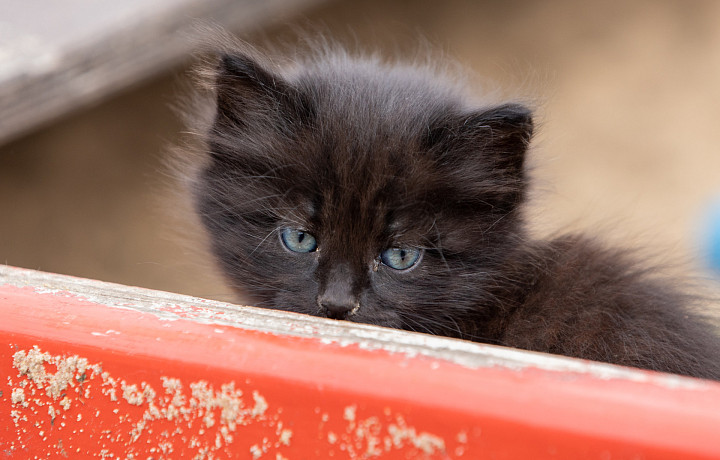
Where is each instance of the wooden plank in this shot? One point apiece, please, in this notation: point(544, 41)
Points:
point(97, 370)
point(58, 56)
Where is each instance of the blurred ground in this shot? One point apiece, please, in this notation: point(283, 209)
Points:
point(628, 98)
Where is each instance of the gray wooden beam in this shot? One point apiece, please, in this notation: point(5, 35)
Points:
point(56, 56)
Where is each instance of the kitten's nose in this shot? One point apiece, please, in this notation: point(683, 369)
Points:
point(337, 307)
point(336, 299)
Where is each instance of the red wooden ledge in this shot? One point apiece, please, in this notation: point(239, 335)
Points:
point(97, 370)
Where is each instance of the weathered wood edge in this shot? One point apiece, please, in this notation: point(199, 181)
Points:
point(464, 353)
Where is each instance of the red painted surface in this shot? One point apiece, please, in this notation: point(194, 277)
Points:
point(137, 386)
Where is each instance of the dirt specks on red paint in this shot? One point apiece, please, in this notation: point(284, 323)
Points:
point(79, 405)
point(67, 404)
point(375, 436)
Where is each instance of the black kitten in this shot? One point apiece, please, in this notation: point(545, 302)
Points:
point(356, 190)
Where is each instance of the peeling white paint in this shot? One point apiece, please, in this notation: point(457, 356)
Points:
point(69, 380)
point(205, 418)
point(106, 333)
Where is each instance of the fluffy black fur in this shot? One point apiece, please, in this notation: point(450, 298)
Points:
point(367, 156)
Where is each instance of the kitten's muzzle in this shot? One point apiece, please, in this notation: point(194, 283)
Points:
point(337, 306)
point(336, 298)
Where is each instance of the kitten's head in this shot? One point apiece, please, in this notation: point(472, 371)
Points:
point(355, 190)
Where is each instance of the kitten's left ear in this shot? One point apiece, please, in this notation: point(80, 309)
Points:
point(483, 153)
point(497, 137)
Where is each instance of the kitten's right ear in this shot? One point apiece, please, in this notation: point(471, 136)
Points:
point(245, 89)
point(241, 86)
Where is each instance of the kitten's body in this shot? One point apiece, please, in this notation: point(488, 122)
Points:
point(315, 175)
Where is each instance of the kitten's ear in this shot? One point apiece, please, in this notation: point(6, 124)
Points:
point(483, 154)
point(245, 89)
point(505, 131)
point(496, 137)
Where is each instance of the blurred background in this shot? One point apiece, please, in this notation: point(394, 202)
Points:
point(627, 97)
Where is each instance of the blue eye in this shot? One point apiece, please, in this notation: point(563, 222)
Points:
point(400, 258)
point(298, 240)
